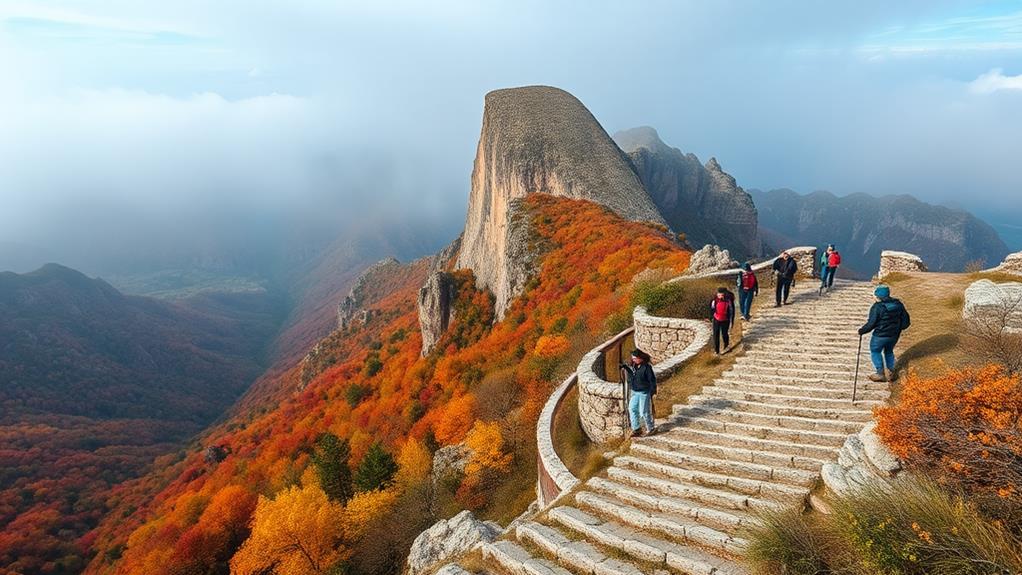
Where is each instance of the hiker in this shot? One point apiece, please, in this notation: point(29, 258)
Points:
point(722, 315)
point(642, 382)
point(785, 268)
point(748, 288)
point(829, 262)
point(887, 319)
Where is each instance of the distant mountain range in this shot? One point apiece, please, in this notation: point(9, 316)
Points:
point(862, 226)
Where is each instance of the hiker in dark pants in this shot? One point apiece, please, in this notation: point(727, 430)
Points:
point(642, 383)
point(748, 288)
point(722, 314)
point(785, 268)
point(887, 319)
point(829, 263)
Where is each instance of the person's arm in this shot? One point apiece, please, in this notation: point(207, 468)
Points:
point(731, 314)
point(652, 380)
point(871, 323)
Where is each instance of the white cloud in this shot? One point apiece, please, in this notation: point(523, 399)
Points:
point(994, 81)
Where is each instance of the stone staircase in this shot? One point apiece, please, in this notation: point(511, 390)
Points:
point(677, 501)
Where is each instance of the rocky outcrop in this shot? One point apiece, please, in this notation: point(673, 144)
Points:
point(1012, 265)
point(862, 226)
point(862, 461)
point(704, 202)
point(435, 311)
point(710, 258)
point(449, 538)
point(538, 139)
point(450, 460)
point(899, 262)
point(995, 306)
point(350, 310)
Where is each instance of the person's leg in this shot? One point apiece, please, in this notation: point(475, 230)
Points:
point(779, 285)
point(717, 327)
point(725, 332)
point(889, 352)
point(823, 276)
point(787, 289)
point(876, 347)
point(647, 412)
point(830, 277)
point(745, 302)
point(633, 411)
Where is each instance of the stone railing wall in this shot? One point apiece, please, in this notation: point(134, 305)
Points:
point(805, 257)
point(899, 262)
point(600, 402)
point(671, 342)
point(1012, 264)
point(554, 477)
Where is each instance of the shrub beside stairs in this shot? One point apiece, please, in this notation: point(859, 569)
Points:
point(676, 502)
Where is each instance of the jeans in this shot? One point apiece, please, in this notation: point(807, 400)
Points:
point(720, 330)
point(881, 348)
point(827, 277)
point(641, 403)
point(745, 302)
point(783, 288)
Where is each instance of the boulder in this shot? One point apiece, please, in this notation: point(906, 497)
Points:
point(902, 262)
point(1012, 264)
point(449, 538)
point(878, 455)
point(710, 259)
point(450, 459)
point(997, 305)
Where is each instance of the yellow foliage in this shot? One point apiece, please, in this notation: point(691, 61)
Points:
point(365, 506)
point(456, 421)
point(487, 445)
point(414, 463)
point(296, 533)
point(549, 346)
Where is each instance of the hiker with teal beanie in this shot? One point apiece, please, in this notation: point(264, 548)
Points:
point(887, 319)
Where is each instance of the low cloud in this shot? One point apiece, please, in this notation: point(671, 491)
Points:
point(995, 81)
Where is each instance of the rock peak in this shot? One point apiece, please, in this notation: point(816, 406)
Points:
point(713, 165)
point(640, 137)
point(538, 139)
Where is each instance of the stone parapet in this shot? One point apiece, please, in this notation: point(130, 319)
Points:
point(805, 257)
point(554, 476)
point(600, 402)
point(670, 341)
point(1012, 264)
point(899, 262)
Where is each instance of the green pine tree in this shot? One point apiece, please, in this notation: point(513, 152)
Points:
point(331, 461)
point(376, 470)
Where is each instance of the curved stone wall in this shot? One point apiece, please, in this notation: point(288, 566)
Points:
point(670, 341)
point(805, 257)
point(554, 477)
point(899, 262)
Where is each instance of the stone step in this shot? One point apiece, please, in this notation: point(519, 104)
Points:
point(842, 392)
point(800, 370)
point(724, 520)
point(745, 442)
point(675, 527)
point(786, 400)
point(738, 469)
point(514, 559)
point(835, 380)
point(795, 360)
point(826, 425)
point(801, 436)
point(809, 356)
point(809, 350)
point(684, 559)
point(730, 453)
point(854, 413)
point(578, 556)
point(711, 497)
point(741, 485)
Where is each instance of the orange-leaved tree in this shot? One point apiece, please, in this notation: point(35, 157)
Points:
point(298, 532)
point(964, 426)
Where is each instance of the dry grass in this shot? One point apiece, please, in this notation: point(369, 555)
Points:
point(580, 455)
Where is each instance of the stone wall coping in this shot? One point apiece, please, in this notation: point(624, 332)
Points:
point(902, 255)
point(550, 462)
point(758, 267)
point(589, 380)
point(701, 336)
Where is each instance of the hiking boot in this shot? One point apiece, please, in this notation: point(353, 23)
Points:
point(637, 433)
point(892, 376)
point(877, 377)
point(652, 431)
point(821, 290)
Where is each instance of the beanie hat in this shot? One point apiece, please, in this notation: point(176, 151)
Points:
point(747, 266)
point(721, 290)
point(882, 291)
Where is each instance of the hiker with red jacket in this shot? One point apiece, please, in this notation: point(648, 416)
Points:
point(828, 267)
point(722, 314)
point(748, 288)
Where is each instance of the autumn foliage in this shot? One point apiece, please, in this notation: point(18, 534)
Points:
point(964, 426)
point(404, 407)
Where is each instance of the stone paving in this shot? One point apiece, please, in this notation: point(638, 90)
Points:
point(676, 502)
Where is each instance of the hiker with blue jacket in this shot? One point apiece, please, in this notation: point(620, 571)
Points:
point(642, 382)
point(887, 319)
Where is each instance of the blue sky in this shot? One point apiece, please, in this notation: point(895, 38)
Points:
point(166, 108)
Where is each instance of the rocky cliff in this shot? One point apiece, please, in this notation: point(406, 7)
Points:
point(704, 202)
point(863, 226)
point(538, 139)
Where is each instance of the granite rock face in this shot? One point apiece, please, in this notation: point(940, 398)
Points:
point(710, 258)
point(1012, 264)
point(350, 309)
point(538, 139)
point(703, 201)
point(449, 538)
point(435, 302)
point(863, 226)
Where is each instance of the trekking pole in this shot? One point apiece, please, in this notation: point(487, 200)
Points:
point(855, 380)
